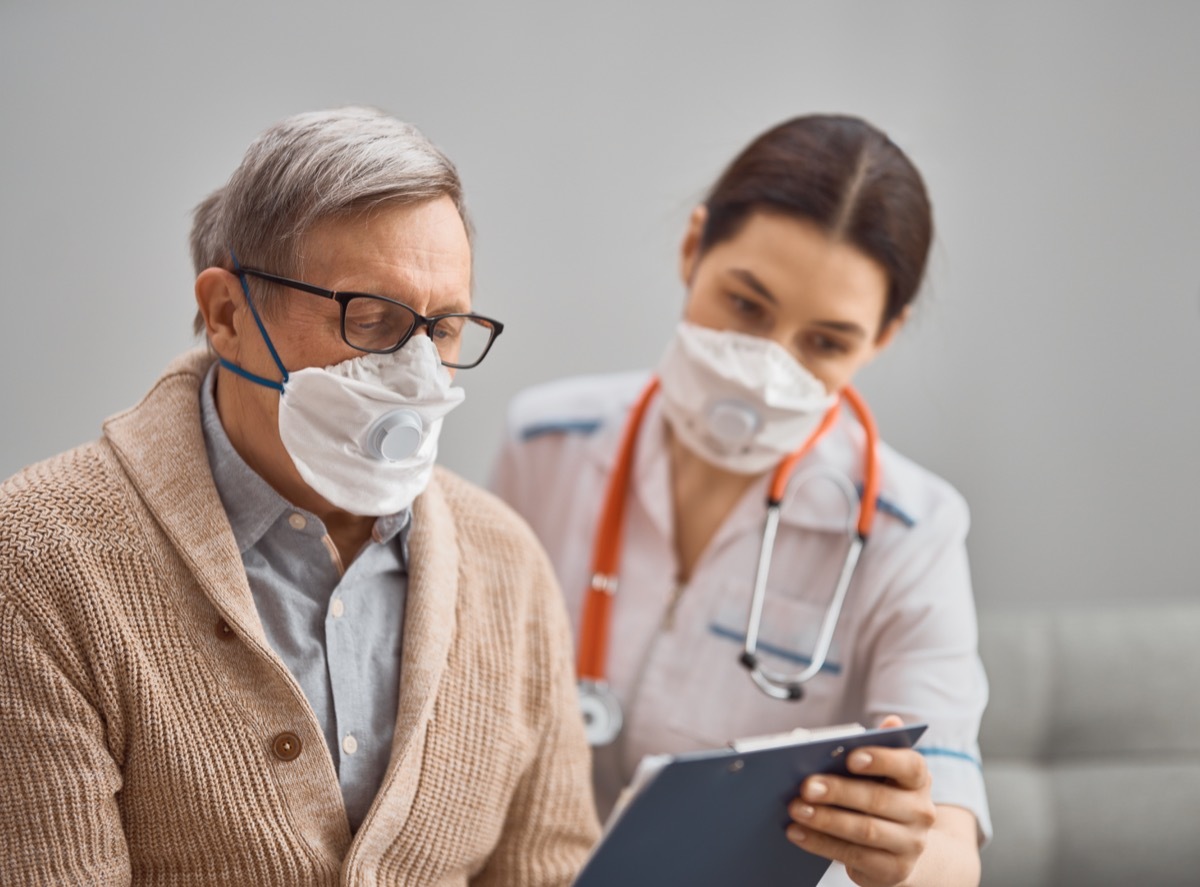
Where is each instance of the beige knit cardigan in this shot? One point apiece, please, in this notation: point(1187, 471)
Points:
point(146, 725)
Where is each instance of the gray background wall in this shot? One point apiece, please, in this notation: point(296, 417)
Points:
point(1052, 373)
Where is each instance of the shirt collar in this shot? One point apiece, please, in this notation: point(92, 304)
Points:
point(387, 527)
point(253, 505)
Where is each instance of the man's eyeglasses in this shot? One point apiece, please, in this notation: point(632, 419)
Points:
point(381, 325)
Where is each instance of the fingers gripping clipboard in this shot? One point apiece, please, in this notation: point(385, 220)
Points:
point(717, 818)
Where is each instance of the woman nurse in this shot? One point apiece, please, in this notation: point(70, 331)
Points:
point(650, 492)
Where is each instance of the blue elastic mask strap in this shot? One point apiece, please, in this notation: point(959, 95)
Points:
point(245, 374)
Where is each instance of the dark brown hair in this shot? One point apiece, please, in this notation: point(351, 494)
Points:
point(846, 177)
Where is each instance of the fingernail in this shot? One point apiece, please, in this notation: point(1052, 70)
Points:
point(805, 811)
point(796, 834)
point(861, 759)
point(816, 789)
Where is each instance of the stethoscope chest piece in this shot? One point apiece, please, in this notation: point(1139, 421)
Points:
point(601, 713)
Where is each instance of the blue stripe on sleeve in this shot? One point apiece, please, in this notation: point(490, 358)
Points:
point(936, 752)
point(584, 427)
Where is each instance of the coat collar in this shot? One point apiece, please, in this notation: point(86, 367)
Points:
point(815, 499)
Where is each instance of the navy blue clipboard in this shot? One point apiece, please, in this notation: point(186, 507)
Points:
point(717, 818)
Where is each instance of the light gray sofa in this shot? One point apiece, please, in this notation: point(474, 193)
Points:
point(1091, 746)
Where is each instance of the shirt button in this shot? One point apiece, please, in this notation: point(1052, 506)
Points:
point(349, 744)
point(224, 631)
point(338, 608)
point(286, 746)
point(298, 521)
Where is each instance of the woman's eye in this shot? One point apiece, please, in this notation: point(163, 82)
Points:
point(824, 345)
point(745, 307)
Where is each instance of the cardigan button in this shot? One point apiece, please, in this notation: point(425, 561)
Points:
point(286, 746)
point(225, 630)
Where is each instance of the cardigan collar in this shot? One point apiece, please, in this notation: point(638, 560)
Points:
point(160, 444)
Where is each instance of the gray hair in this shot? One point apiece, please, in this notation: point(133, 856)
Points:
point(309, 168)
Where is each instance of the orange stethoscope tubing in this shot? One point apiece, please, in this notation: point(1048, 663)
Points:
point(606, 554)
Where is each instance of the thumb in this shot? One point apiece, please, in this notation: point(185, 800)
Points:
point(891, 721)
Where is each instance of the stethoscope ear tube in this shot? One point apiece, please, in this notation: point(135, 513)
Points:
point(749, 656)
point(599, 706)
point(778, 685)
point(775, 684)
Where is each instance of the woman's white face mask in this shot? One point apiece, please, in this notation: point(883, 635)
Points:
point(740, 402)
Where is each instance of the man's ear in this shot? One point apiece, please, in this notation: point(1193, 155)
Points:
point(689, 250)
point(219, 297)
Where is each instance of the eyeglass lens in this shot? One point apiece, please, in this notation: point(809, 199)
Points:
point(378, 325)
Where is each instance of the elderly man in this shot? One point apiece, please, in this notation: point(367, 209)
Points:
point(251, 636)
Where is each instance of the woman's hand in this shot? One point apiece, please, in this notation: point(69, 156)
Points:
point(878, 830)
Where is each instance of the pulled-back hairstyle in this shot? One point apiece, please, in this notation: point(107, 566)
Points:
point(309, 168)
point(844, 176)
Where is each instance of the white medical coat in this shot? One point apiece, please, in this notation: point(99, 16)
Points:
point(906, 640)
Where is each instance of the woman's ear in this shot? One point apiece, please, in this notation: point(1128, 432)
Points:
point(219, 296)
point(689, 250)
point(892, 327)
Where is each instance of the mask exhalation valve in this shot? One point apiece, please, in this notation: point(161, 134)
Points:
point(395, 436)
point(732, 423)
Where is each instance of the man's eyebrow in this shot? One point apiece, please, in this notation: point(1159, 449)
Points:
point(454, 305)
point(748, 278)
point(451, 306)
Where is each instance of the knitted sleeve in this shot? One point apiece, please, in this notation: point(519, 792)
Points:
point(59, 822)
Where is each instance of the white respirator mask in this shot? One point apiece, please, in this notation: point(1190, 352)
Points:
point(363, 433)
point(740, 402)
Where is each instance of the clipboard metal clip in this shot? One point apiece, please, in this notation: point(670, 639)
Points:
point(796, 737)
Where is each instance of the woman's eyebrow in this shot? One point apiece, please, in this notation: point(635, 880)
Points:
point(842, 326)
point(748, 278)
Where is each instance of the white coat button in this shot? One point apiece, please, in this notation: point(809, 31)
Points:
point(338, 608)
point(298, 521)
point(349, 744)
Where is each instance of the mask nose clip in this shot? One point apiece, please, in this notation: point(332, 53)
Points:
point(733, 423)
point(395, 435)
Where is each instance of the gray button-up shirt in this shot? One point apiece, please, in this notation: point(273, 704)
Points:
point(338, 630)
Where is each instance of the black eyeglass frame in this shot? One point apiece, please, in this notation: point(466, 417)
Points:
point(419, 320)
